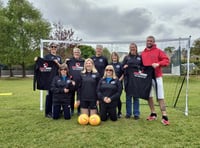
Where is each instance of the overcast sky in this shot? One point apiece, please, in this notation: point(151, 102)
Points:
point(124, 20)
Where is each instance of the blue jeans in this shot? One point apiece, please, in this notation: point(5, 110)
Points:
point(136, 106)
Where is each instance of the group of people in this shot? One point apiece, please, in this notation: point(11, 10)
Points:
point(97, 85)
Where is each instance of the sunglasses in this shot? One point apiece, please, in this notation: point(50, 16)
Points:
point(109, 70)
point(53, 47)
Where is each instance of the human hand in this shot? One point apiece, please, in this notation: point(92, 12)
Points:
point(66, 90)
point(73, 82)
point(154, 65)
point(125, 66)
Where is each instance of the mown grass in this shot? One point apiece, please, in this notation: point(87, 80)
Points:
point(22, 124)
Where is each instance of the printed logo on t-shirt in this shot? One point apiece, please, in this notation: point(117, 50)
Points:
point(93, 76)
point(68, 81)
point(138, 58)
point(45, 68)
point(100, 60)
point(113, 82)
point(118, 66)
point(140, 74)
point(77, 66)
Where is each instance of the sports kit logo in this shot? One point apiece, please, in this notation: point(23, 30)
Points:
point(77, 66)
point(45, 68)
point(140, 74)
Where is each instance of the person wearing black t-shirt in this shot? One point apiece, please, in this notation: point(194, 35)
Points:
point(75, 65)
point(109, 90)
point(87, 91)
point(119, 73)
point(100, 61)
point(57, 59)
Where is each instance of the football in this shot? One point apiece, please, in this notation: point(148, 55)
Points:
point(83, 119)
point(94, 119)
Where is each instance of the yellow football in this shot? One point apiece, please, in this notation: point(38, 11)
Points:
point(83, 119)
point(94, 119)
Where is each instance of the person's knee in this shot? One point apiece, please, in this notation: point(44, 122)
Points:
point(113, 118)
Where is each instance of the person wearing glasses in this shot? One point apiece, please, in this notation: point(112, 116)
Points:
point(62, 89)
point(119, 73)
point(131, 63)
point(109, 90)
point(87, 91)
point(52, 56)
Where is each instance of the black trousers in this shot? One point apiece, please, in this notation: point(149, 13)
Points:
point(66, 111)
point(48, 103)
point(108, 110)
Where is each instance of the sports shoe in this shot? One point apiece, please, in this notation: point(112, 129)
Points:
point(165, 120)
point(152, 116)
point(136, 117)
point(119, 115)
point(127, 116)
point(48, 115)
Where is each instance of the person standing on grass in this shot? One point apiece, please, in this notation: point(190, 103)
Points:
point(131, 63)
point(155, 57)
point(100, 61)
point(57, 59)
point(62, 88)
point(87, 91)
point(75, 65)
point(119, 73)
point(109, 90)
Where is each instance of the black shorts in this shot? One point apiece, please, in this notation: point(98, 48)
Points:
point(88, 104)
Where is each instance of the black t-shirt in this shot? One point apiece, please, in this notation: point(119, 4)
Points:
point(75, 67)
point(44, 71)
point(52, 57)
point(100, 64)
point(137, 78)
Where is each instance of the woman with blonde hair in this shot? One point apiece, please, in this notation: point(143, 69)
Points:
point(87, 94)
point(109, 90)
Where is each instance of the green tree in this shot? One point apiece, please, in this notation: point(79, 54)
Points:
point(59, 32)
point(27, 29)
point(87, 51)
point(195, 50)
point(107, 54)
point(169, 50)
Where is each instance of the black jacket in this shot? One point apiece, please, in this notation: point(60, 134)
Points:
point(57, 88)
point(112, 90)
point(88, 86)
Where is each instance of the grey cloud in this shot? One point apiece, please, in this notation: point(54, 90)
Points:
point(97, 21)
point(191, 22)
point(163, 30)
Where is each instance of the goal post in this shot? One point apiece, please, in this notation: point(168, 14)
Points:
point(123, 47)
